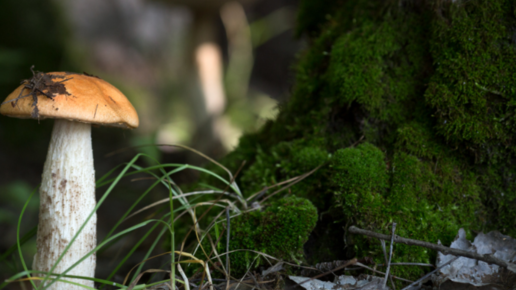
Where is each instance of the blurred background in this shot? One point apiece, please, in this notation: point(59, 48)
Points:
point(199, 73)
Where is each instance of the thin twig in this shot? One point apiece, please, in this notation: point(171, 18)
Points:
point(214, 251)
point(390, 256)
point(382, 273)
point(406, 264)
point(387, 262)
point(445, 250)
point(253, 197)
point(247, 272)
point(358, 141)
point(424, 278)
point(256, 285)
point(301, 177)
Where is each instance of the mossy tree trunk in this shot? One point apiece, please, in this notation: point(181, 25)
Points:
point(412, 106)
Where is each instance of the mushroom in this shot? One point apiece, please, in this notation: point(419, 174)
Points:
point(67, 192)
point(208, 103)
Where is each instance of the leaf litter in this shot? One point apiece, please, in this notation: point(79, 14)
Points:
point(41, 84)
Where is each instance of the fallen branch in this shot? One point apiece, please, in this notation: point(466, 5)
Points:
point(445, 250)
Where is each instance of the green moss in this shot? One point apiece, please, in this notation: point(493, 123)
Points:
point(361, 177)
point(280, 231)
point(430, 201)
point(474, 84)
point(283, 161)
point(379, 67)
point(429, 198)
point(472, 92)
point(429, 90)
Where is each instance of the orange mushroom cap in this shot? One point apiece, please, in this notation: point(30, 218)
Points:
point(86, 99)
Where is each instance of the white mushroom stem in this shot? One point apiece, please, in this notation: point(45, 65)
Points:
point(67, 197)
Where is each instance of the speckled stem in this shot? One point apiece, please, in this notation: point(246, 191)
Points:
point(67, 197)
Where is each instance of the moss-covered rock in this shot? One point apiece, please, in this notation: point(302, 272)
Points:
point(429, 201)
point(280, 230)
point(360, 175)
point(415, 103)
